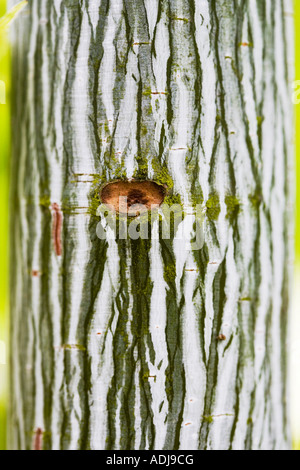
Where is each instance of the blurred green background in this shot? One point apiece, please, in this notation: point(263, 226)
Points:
point(297, 126)
point(295, 327)
point(4, 166)
point(4, 179)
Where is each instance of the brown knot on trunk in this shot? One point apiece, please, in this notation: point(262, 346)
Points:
point(132, 197)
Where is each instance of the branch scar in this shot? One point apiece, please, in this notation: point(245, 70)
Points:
point(38, 439)
point(57, 218)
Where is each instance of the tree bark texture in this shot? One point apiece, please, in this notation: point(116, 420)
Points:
point(145, 344)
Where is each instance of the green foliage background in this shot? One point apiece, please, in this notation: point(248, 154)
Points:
point(297, 116)
point(5, 133)
point(4, 165)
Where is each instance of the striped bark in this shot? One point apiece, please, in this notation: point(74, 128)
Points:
point(148, 344)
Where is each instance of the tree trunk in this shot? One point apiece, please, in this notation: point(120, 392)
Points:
point(150, 344)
